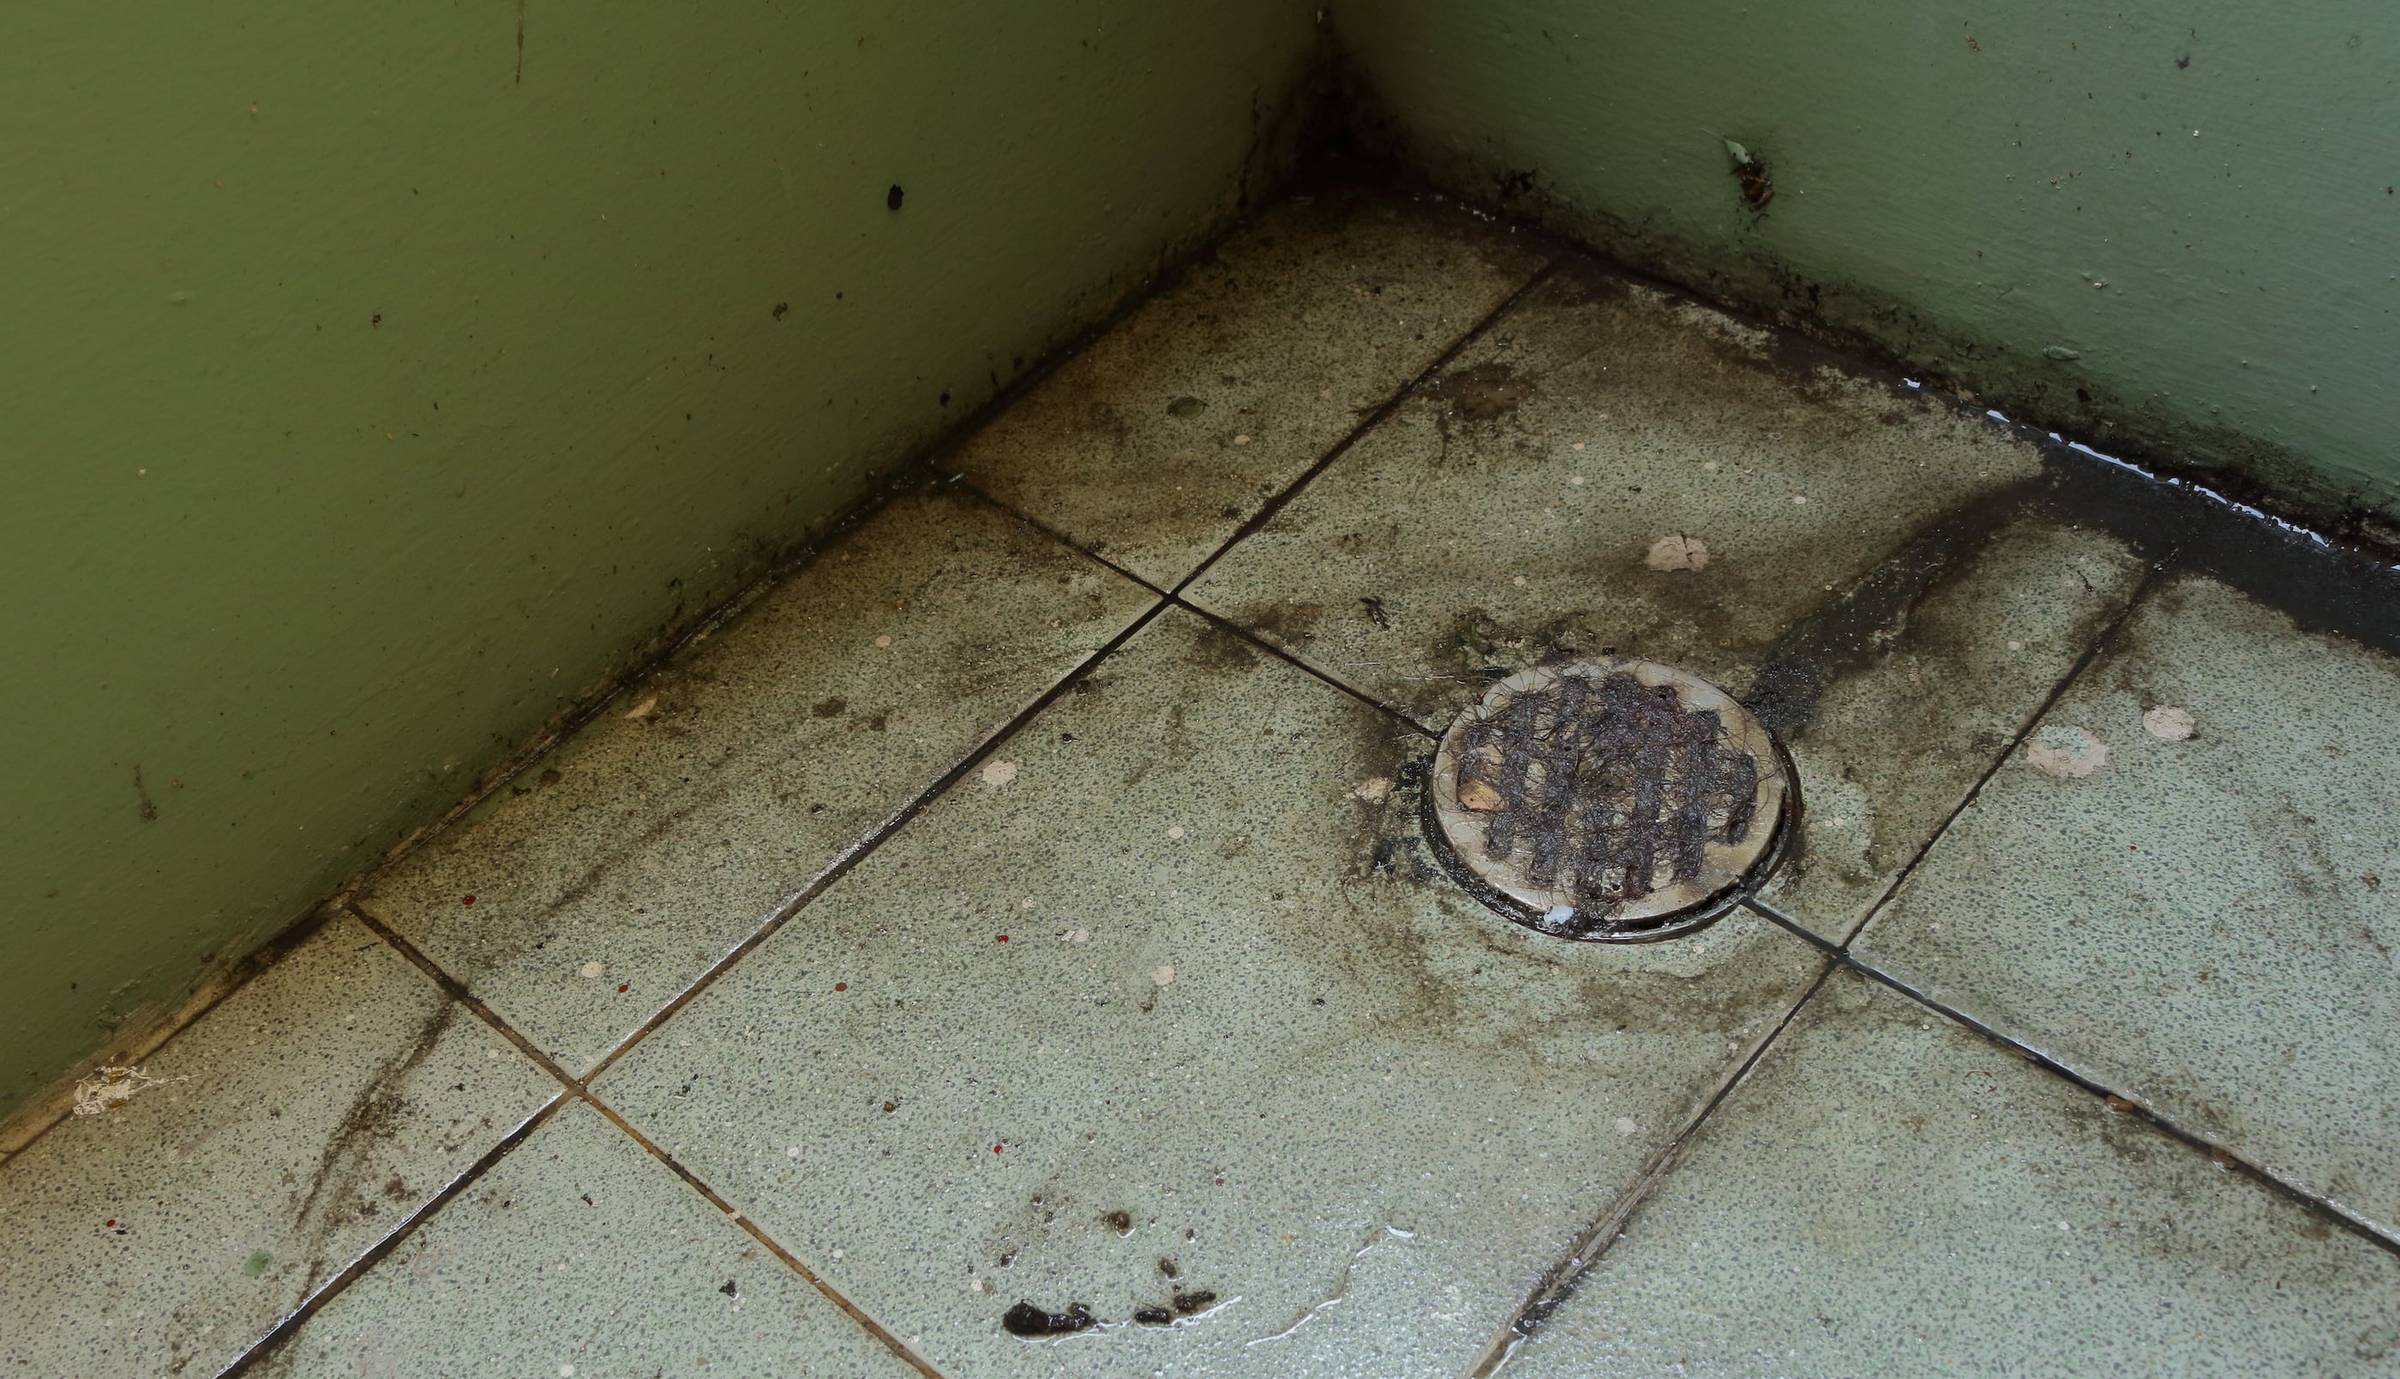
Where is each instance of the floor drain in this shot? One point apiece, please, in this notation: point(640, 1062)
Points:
point(1614, 800)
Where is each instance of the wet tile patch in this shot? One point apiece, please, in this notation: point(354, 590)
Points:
point(1613, 471)
point(254, 1157)
point(1154, 444)
point(579, 1254)
point(1172, 1028)
point(592, 891)
point(1890, 1192)
point(2187, 886)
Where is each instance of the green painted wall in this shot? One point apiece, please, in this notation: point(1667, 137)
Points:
point(2166, 224)
point(377, 381)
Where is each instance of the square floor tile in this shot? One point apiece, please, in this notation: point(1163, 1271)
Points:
point(1166, 1001)
point(1886, 580)
point(1889, 1193)
point(1158, 440)
point(578, 1254)
point(2188, 888)
point(271, 1144)
point(588, 894)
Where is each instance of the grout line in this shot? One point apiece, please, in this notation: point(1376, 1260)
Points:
point(759, 1234)
point(572, 1090)
point(1266, 512)
point(457, 991)
point(842, 865)
point(1272, 506)
point(2118, 1102)
point(961, 481)
point(33, 1125)
point(2099, 646)
point(1236, 629)
point(1793, 927)
point(350, 1273)
point(2217, 1153)
point(1559, 1284)
point(1168, 598)
point(1223, 623)
point(577, 1089)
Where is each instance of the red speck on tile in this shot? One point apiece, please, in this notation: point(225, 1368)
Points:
point(466, 900)
point(995, 1149)
point(1004, 938)
point(841, 986)
point(111, 1223)
point(623, 987)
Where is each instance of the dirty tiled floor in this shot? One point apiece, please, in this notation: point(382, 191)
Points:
point(969, 938)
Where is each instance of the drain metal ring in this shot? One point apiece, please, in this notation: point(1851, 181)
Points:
point(1610, 799)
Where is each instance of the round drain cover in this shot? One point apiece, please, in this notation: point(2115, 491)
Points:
point(1608, 799)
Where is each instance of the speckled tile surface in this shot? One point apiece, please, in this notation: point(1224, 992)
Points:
point(2205, 923)
point(1155, 443)
point(290, 1129)
point(1867, 560)
point(579, 1254)
point(1890, 1194)
point(1233, 1005)
point(620, 867)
